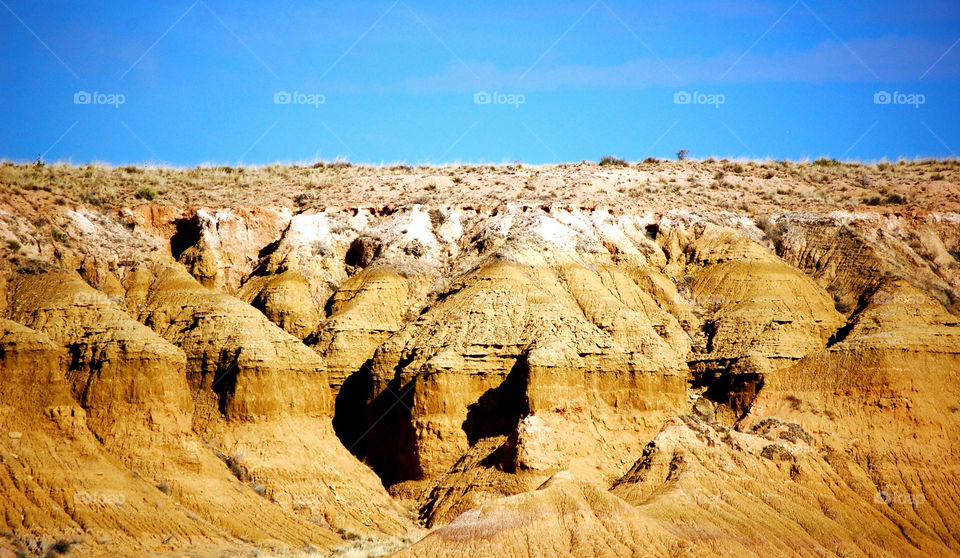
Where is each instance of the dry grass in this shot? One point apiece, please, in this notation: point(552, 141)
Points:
point(764, 186)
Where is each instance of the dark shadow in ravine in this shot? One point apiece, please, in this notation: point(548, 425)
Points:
point(498, 411)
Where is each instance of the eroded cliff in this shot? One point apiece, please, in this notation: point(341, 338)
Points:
point(528, 377)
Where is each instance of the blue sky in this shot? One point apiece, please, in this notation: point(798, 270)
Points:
point(210, 81)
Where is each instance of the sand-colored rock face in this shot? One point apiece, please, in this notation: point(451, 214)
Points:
point(220, 247)
point(525, 378)
point(364, 312)
point(562, 517)
point(285, 299)
point(851, 256)
point(757, 314)
point(237, 359)
point(123, 373)
point(760, 305)
point(508, 341)
point(701, 481)
point(701, 489)
point(884, 400)
point(58, 482)
point(132, 385)
point(258, 387)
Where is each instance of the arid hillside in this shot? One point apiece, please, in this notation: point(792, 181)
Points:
point(665, 358)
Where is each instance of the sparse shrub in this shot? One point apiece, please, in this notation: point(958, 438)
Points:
point(825, 162)
point(61, 546)
point(872, 200)
point(164, 486)
point(865, 181)
point(457, 179)
point(303, 199)
point(146, 193)
point(39, 163)
point(611, 161)
point(735, 168)
point(795, 432)
point(776, 452)
point(13, 245)
point(772, 231)
point(764, 426)
point(347, 535)
point(896, 199)
point(651, 161)
point(682, 154)
point(794, 401)
point(936, 176)
point(59, 236)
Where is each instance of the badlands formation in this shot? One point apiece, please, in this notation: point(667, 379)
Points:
point(692, 358)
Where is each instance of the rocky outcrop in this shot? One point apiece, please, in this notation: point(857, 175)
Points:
point(884, 398)
point(365, 311)
point(58, 482)
point(787, 497)
point(759, 314)
point(132, 386)
point(237, 361)
point(121, 372)
point(701, 489)
point(298, 273)
point(508, 342)
point(262, 402)
point(221, 247)
point(851, 254)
